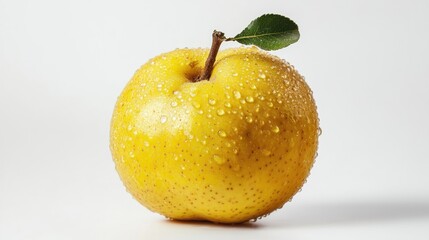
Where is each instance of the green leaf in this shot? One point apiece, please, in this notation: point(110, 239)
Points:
point(269, 32)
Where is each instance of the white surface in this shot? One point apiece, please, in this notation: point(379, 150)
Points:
point(63, 63)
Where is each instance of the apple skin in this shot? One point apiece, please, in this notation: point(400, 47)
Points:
point(228, 149)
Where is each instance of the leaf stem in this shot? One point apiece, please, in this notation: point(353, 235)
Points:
point(217, 39)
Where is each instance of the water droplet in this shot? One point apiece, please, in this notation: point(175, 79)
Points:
point(130, 127)
point(237, 94)
point(270, 104)
point(253, 86)
point(174, 104)
point(146, 143)
point(275, 129)
point(132, 154)
point(249, 99)
point(220, 112)
point(235, 166)
point(163, 119)
point(192, 92)
point(227, 104)
point(218, 159)
point(196, 104)
point(221, 133)
point(235, 151)
point(212, 101)
point(319, 131)
point(235, 74)
point(261, 75)
point(266, 152)
point(249, 119)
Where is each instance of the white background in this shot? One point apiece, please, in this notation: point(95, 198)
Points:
point(63, 63)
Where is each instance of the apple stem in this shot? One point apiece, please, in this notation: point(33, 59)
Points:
point(218, 38)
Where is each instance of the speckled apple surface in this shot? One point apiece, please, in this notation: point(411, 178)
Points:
point(230, 149)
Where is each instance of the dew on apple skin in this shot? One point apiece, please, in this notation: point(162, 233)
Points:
point(212, 101)
point(249, 99)
point(235, 74)
point(227, 104)
point(275, 129)
point(220, 112)
point(163, 119)
point(261, 75)
point(235, 150)
point(319, 131)
point(218, 159)
point(221, 133)
point(266, 152)
point(236, 167)
point(174, 104)
point(249, 119)
point(237, 94)
point(196, 105)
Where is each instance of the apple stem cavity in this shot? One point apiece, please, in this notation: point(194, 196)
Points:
point(217, 39)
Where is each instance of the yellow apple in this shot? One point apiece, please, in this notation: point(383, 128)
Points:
point(228, 149)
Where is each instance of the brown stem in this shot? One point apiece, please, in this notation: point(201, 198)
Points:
point(218, 38)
